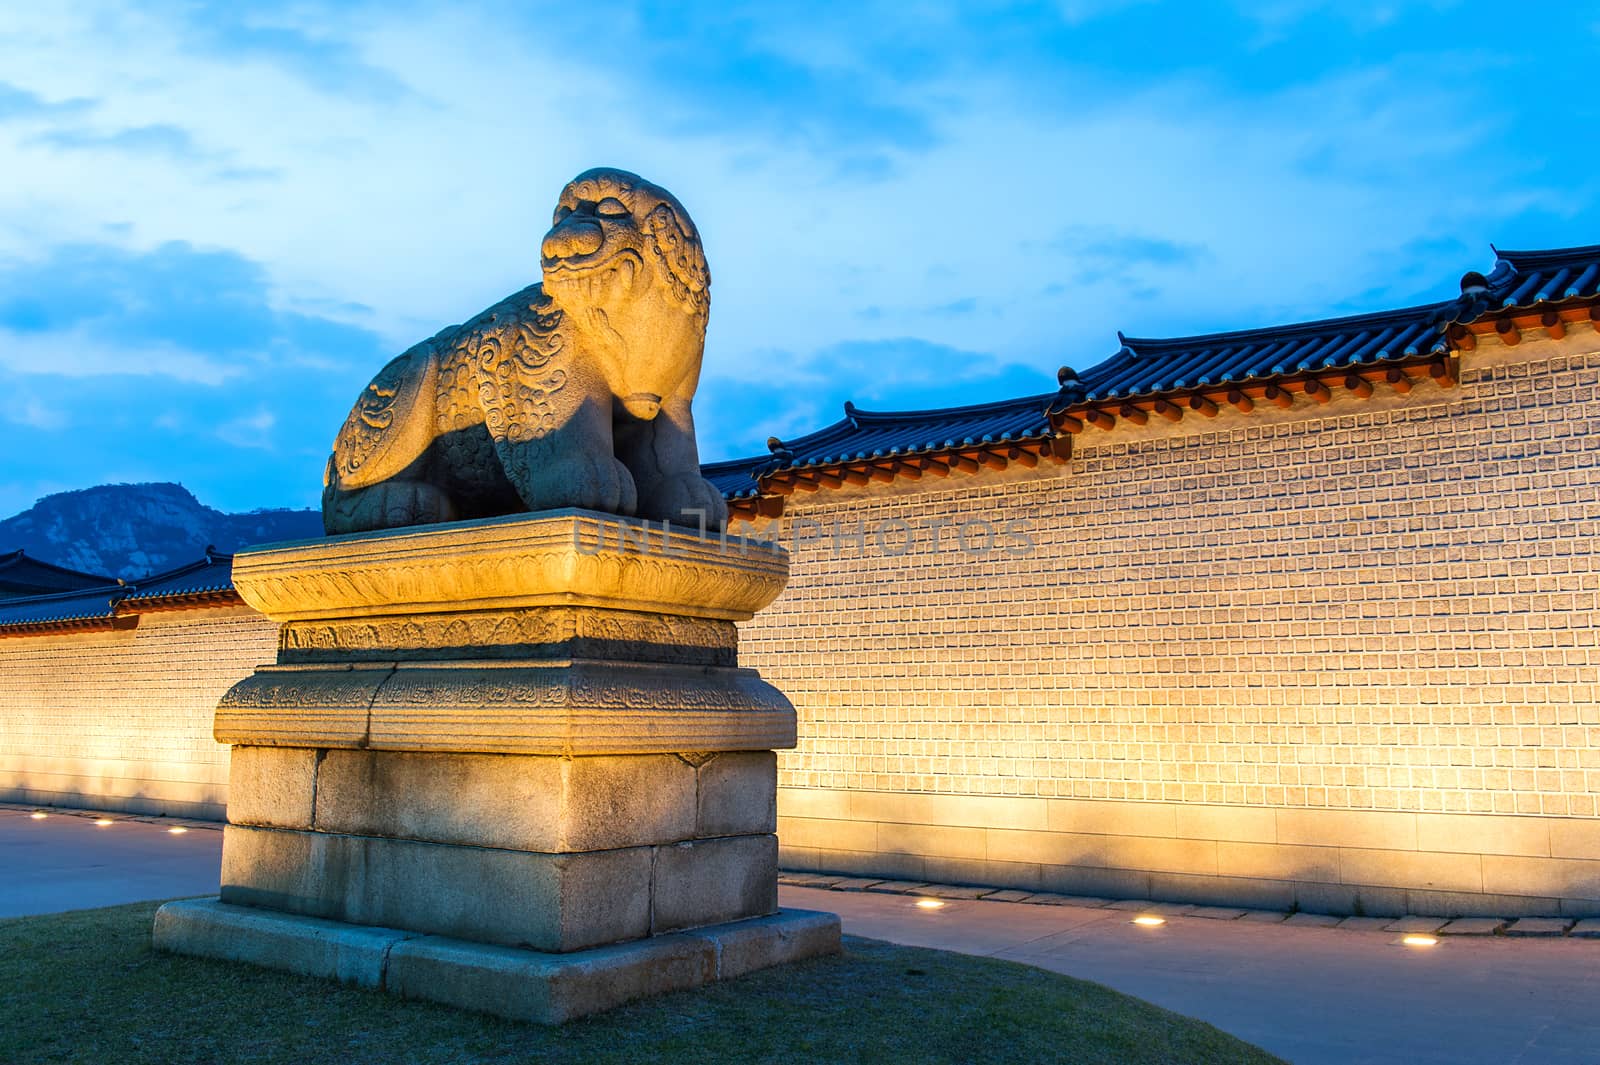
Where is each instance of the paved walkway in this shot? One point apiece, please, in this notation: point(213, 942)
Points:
point(68, 862)
point(1311, 995)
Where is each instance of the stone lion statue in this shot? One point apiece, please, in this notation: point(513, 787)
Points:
point(571, 393)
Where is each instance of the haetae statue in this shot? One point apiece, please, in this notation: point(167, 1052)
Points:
point(574, 392)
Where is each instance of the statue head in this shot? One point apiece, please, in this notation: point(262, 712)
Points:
point(623, 261)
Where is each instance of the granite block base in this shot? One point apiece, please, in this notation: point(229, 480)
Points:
point(523, 985)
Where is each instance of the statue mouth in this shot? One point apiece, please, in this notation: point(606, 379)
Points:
point(596, 279)
point(642, 405)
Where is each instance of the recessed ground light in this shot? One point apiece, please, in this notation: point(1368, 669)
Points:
point(1149, 920)
point(104, 821)
point(930, 904)
point(38, 815)
point(1419, 941)
point(176, 830)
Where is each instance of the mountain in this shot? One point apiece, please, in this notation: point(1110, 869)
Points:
point(133, 530)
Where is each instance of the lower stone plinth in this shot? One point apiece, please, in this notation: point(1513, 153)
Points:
point(520, 984)
point(548, 902)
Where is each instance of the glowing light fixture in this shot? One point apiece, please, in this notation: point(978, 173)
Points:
point(177, 830)
point(930, 904)
point(1149, 920)
point(38, 815)
point(1419, 941)
point(104, 821)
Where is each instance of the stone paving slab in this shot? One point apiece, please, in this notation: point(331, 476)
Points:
point(816, 881)
point(855, 883)
point(162, 820)
point(1365, 924)
point(1539, 926)
point(952, 891)
point(1167, 909)
point(1414, 925)
point(1049, 898)
point(1313, 920)
point(896, 887)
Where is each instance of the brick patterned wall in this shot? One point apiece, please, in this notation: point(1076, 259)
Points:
point(122, 720)
point(1337, 657)
point(1384, 606)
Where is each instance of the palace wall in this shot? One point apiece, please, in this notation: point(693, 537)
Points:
point(1339, 657)
point(122, 720)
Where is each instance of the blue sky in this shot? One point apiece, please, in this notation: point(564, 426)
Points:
point(220, 219)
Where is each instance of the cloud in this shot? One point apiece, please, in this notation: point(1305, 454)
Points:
point(338, 181)
point(19, 103)
point(28, 411)
point(80, 352)
point(1113, 247)
point(170, 363)
point(251, 430)
point(212, 303)
point(160, 139)
point(795, 395)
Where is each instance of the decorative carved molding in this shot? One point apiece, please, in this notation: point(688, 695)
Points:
point(562, 558)
point(578, 707)
point(541, 632)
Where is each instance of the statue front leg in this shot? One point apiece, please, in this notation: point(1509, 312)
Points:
point(665, 463)
point(570, 464)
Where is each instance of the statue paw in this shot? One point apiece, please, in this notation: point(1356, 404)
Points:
point(686, 499)
point(387, 505)
point(589, 481)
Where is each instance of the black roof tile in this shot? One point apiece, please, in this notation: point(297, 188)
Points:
point(22, 575)
point(1525, 278)
point(213, 573)
point(862, 436)
point(1145, 367)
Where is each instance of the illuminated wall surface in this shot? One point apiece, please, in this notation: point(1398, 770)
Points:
point(1338, 656)
point(122, 720)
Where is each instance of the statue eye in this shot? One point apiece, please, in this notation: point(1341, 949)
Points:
point(561, 213)
point(611, 207)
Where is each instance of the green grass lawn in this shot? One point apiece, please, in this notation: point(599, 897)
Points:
point(86, 987)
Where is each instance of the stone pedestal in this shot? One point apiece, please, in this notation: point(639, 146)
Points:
point(507, 745)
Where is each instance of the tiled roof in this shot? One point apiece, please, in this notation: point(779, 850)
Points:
point(862, 436)
point(63, 608)
point(103, 607)
point(21, 575)
point(1144, 367)
point(1524, 278)
point(211, 574)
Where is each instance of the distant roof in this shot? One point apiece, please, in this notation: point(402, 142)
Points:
point(1156, 367)
point(1526, 278)
point(1397, 348)
point(21, 575)
point(208, 575)
point(118, 604)
point(865, 435)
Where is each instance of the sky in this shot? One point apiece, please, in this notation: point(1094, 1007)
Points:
point(217, 221)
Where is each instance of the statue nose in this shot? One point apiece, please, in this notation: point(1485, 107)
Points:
point(573, 237)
